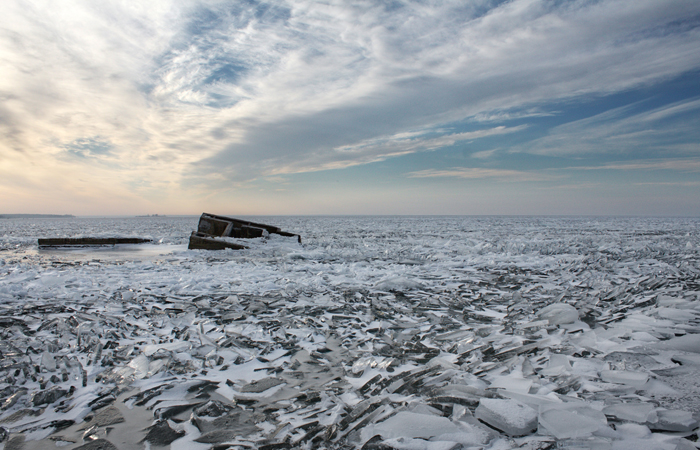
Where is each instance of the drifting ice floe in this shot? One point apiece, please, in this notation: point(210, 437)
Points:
point(376, 333)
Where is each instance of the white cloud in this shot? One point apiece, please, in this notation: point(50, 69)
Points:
point(622, 131)
point(478, 173)
point(671, 183)
point(502, 116)
point(198, 92)
point(485, 154)
point(680, 165)
point(349, 74)
point(380, 149)
point(670, 110)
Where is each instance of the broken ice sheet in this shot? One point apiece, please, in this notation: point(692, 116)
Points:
point(140, 366)
point(637, 379)
point(509, 416)
point(48, 361)
point(230, 319)
point(408, 424)
point(570, 420)
point(259, 386)
point(557, 365)
point(674, 420)
point(688, 343)
point(558, 314)
point(635, 412)
point(514, 384)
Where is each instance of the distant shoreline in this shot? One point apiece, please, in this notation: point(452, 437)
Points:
point(36, 216)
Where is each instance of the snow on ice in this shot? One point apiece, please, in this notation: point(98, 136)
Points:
point(376, 333)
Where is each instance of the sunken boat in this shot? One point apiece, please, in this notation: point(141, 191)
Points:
point(211, 227)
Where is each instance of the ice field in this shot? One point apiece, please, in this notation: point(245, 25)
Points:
point(377, 333)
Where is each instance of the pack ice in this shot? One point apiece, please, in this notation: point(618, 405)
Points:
point(375, 333)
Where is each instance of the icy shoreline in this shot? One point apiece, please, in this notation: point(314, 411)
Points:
point(377, 332)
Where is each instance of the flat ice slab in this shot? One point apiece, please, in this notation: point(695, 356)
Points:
point(509, 416)
point(637, 379)
point(570, 420)
point(688, 343)
point(674, 420)
point(414, 425)
point(558, 313)
point(635, 412)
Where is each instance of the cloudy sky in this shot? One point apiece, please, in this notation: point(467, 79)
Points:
point(338, 107)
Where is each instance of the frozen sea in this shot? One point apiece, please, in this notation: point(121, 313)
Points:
point(376, 333)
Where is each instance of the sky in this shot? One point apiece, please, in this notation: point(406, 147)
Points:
point(521, 107)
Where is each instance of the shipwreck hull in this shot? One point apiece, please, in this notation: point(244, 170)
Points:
point(211, 226)
point(201, 241)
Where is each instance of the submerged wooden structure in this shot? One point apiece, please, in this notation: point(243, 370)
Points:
point(89, 241)
point(211, 227)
